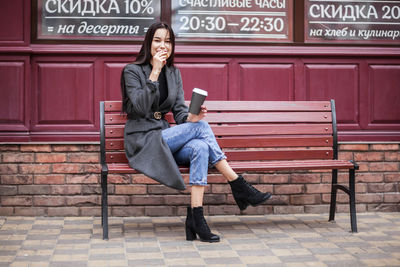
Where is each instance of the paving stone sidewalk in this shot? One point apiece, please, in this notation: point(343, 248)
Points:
point(270, 240)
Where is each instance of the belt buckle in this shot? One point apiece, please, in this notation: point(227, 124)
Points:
point(157, 115)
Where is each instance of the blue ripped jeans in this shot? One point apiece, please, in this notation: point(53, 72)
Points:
point(194, 143)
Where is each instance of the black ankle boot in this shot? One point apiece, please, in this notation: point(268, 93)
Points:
point(189, 225)
point(198, 225)
point(245, 194)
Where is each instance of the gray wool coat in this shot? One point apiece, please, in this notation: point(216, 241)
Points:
point(144, 147)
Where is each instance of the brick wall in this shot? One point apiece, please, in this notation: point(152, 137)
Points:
point(63, 180)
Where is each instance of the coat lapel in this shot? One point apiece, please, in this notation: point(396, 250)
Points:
point(147, 71)
point(172, 90)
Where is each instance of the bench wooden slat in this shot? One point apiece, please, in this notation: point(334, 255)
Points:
point(291, 165)
point(258, 166)
point(251, 155)
point(118, 118)
point(124, 168)
point(271, 129)
point(272, 117)
point(214, 118)
point(243, 142)
point(115, 106)
point(115, 144)
point(268, 106)
point(116, 131)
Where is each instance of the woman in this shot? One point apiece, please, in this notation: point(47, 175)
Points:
point(151, 87)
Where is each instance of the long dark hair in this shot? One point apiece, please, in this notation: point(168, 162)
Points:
point(144, 57)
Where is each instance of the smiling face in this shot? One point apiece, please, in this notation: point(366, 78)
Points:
point(161, 42)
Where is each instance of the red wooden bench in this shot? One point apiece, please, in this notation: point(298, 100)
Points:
point(284, 135)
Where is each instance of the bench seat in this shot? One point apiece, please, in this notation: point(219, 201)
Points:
point(257, 166)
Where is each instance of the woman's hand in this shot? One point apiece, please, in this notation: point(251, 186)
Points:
point(196, 118)
point(158, 61)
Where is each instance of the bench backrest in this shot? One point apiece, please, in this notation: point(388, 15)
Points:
point(247, 130)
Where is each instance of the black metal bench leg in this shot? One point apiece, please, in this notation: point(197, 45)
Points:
point(332, 208)
point(352, 195)
point(104, 205)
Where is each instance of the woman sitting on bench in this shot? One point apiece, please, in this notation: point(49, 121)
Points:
point(151, 87)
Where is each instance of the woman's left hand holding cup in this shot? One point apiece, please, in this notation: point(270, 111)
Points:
point(200, 116)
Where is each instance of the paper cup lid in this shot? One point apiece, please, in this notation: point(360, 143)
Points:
point(200, 91)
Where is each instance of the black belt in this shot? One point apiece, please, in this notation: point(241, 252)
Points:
point(155, 115)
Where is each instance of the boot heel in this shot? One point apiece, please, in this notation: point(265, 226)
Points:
point(241, 204)
point(190, 234)
point(200, 226)
point(265, 197)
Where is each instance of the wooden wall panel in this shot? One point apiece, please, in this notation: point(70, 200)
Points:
point(65, 96)
point(384, 96)
point(266, 82)
point(212, 77)
point(339, 82)
point(14, 22)
point(112, 77)
point(12, 100)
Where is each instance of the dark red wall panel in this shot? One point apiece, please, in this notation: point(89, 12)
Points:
point(64, 96)
point(112, 77)
point(338, 82)
point(14, 22)
point(13, 83)
point(212, 77)
point(384, 96)
point(266, 82)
